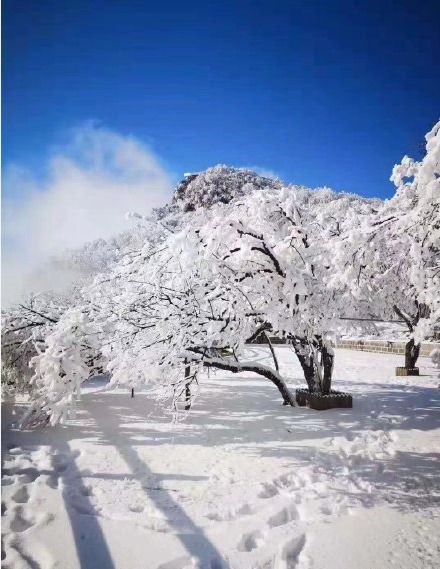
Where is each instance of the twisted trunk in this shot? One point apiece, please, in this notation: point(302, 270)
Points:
point(308, 367)
point(316, 360)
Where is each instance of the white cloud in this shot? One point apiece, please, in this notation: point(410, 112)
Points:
point(87, 188)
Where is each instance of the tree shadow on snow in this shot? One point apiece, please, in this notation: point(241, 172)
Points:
point(90, 543)
point(107, 425)
point(245, 414)
point(249, 418)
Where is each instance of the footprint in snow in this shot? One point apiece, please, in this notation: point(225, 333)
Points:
point(284, 516)
point(251, 541)
point(244, 510)
point(291, 552)
point(21, 496)
point(268, 491)
point(255, 539)
point(294, 481)
point(20, 522)
point(26, 475)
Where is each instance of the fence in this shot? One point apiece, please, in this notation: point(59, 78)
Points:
point(384, 347)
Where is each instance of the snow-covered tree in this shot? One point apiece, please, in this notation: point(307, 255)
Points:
point(24, 327)
point(417, 211)
point(237, 256)
point(192, 300)
point(399, 265)
point(69, 356)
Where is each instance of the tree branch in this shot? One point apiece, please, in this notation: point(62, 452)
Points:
point(38, 313)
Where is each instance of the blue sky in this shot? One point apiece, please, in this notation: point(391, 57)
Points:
point(322, 93)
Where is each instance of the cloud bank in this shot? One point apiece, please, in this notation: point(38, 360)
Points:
point(87, 188)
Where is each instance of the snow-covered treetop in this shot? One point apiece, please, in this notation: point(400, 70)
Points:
point(219, 184)
point(419, 182)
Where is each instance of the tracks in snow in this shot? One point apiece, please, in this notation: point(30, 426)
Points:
point(330, 482)
point(24, 472)
point(270, 529)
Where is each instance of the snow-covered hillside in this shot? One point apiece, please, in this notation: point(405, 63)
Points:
point(242, 482)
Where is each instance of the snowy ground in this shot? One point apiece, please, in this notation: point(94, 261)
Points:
point(243, 482)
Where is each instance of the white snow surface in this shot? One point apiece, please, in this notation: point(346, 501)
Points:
point(241, 482)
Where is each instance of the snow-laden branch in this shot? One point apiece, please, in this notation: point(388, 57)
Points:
point(260, 369)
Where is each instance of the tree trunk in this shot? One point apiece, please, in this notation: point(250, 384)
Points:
point(412, 351)
point(187, 389)
point(316, 360)
point(327, 363)
point(305, 357)
point(272, 351)
point(309, 371)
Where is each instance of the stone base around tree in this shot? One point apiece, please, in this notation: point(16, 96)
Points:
point(320, 402)
point(407, 371)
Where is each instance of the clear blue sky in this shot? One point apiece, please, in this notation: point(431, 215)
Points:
point(323, 93)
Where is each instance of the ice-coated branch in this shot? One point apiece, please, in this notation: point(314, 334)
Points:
point(265, 371)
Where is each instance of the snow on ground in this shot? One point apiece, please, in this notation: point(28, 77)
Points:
point(243, 482)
